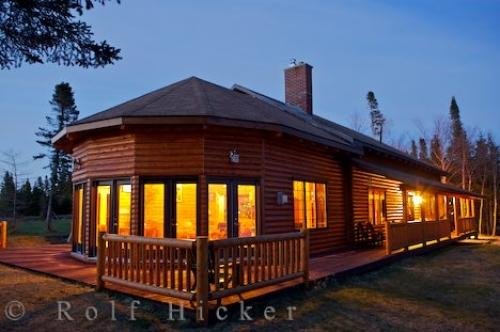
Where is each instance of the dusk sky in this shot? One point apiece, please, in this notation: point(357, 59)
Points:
point(414, 55)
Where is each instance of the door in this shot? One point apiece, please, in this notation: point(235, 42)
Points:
point(169, 208)
point(232, 209)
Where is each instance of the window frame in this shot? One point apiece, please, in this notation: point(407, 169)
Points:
point(315, 182)
point(371, 190)
point(79, 247)
point(111, 228)
point(232, 184)
point(169, 202)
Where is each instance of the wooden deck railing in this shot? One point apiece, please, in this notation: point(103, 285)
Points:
point(466, 226)
point(201, 270)
point(163, 266)
point(403, 235)
point(3, 234)
point(243, 264)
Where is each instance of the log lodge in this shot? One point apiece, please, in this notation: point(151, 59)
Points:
point(196, 180)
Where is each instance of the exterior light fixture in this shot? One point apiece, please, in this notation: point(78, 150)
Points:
point(417, 199)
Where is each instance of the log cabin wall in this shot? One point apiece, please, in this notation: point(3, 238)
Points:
point(286, 159)
point(277, 160)
point(274, 160)
point(362, 182)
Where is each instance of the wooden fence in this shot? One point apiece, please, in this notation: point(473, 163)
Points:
point(466, 226)
point(3, 234)
point(201, 270)
point(403, 235)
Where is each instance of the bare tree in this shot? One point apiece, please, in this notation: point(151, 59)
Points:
point(358, 122)
point(10, 160)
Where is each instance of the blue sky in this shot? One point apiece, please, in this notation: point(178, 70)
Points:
point(413, 54)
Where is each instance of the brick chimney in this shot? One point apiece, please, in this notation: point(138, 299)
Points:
point(298, 86)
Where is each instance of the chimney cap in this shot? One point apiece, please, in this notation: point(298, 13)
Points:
point(295, 63)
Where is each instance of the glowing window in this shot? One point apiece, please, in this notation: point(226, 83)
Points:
point(429, 206)
point(442, 207)
point(309, 204)
point(124, 200)
point(246, 211)
point(376, 206)
point(414, 202)
point(217, 211)
point(103, 207)
point(154, 209)
point(78, 217)
point(186, 210)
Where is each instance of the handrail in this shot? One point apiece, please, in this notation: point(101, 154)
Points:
point(403, 235)
point(169, 242)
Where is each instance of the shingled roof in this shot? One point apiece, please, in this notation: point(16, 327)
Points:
point(194, 98)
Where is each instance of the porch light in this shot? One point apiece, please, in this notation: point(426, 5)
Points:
point(417, 199)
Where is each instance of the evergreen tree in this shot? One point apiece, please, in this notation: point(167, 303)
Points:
point(377, 118)
point(24, 198)
point(60, 164)
point(423, 152)
point(7, 192)
point(39, 31)
point(459, 150)
point(38, 198)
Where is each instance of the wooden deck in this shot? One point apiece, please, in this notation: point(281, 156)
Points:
point(55, 260)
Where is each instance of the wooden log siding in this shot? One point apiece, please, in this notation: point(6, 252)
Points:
point(362, 182)
point(276, 161)
point(163, 266)
point(286, 159)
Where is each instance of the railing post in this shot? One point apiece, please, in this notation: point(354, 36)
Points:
point(202, 286)
point(3, 228)
point(388, 238)
point(101, 259)
point(424, 225)
point(305, 254)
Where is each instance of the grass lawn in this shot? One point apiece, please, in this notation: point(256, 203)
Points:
point(455, 288)
point(32, 231)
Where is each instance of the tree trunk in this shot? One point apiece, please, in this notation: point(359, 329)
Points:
point(495, 205)
point(48, 217)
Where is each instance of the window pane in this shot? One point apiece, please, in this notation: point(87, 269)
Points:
point(124, 196)
point(429, 207)
point(246, 211)
point(186, 210)
point(298, 204)
point(217, 211)
point(102, 209)
point(311, 205)
point(442, 207)
point(79, 216)
point(154, 209)
point(321, 204)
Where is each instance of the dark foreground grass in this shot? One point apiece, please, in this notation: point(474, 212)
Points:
point(456, 288)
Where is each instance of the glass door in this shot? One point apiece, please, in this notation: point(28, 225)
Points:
point(169, 208)
point(246, 222)
point(232, 209)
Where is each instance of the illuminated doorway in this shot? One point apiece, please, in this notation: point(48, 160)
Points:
point(232, 209)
